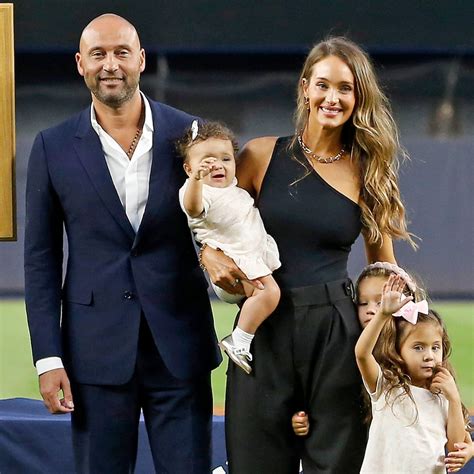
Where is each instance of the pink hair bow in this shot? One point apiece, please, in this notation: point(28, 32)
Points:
point(410, 311)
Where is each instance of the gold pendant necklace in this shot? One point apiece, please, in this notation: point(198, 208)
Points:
point(319, 158)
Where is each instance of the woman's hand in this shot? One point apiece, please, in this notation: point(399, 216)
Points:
point(223, 271)
point(455, 460)
point(392, 295)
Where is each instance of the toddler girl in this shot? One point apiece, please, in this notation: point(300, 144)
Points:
point(223, 216)
point(416, 408)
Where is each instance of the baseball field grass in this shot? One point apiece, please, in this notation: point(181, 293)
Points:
point(18, 378)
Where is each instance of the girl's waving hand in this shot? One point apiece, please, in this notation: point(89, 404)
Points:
point(392, 301)
point(392, 295)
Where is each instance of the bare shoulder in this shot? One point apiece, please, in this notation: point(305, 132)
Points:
point(253, 163)
point(260, 145)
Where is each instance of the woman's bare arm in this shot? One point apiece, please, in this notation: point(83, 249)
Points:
point(380, 253)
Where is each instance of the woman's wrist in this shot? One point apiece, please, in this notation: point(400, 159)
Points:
point(201, 263)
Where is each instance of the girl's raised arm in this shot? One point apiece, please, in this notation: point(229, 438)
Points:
point(192, 200)
point(390, 304)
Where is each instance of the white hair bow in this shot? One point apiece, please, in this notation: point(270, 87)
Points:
point(194, 130)
point(410, 311)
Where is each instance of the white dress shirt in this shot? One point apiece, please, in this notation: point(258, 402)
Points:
point(131, 178)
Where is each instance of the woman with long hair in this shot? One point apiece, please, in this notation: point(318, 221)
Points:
point(316, 191)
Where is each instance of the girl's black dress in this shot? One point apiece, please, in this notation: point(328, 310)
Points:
point(304, 352)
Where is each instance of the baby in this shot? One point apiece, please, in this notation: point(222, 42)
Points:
point(224, 216)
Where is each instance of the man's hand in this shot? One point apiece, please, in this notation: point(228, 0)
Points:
point(51, 383)
point(224, 273)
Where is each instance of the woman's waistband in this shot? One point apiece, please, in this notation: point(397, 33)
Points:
point(320, 294)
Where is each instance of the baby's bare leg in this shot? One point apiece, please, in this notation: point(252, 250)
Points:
point(256, 308)
point(259, 304)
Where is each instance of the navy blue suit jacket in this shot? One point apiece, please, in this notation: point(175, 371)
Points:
point(113, 275)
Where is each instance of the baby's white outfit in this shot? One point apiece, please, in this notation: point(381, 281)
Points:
point(400, 441)
point(232, 223)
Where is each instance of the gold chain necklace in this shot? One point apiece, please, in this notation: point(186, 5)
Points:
point(319, 158)
point(137, 136)
point(134, 143)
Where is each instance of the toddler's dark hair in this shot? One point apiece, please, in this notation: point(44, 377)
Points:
point(210, 129)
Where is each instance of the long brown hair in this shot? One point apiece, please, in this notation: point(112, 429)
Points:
point(372, 137)
point(393, 334)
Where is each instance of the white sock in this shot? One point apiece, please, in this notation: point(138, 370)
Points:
point(242, 338)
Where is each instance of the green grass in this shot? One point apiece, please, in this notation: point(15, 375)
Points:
point(17, 374)
point(18, 377)
point(459, 318)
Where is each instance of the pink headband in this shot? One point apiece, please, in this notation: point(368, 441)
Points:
point(391, 267)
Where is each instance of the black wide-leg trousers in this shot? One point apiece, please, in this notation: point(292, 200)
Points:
point(303, 360)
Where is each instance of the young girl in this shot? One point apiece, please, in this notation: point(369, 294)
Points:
point(368, 289)
point(223, 216)
point(416, 407)
point(368, 294)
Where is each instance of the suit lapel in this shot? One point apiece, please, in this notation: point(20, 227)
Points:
point(161, 167)
point(88, 147)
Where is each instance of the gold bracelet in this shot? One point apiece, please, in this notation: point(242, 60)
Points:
point(201, 264)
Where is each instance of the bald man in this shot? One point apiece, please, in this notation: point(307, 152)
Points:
point(129, 326)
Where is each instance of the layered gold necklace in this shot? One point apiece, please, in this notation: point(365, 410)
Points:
point(319, 158)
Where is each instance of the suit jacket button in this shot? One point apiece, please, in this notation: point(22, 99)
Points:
point(127, 295)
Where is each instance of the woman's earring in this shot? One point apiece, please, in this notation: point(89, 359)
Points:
point(306, 102)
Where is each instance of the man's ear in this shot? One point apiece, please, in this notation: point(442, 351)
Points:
point(78, 64)
point(142, 60)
